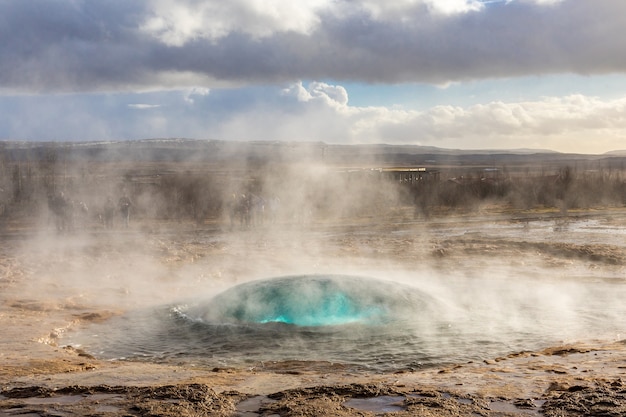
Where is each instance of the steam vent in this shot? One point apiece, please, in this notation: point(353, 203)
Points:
point(314, 300)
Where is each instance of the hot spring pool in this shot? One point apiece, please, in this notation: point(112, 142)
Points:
point(361, 322)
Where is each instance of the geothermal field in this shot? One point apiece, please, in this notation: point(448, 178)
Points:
point(185, 278)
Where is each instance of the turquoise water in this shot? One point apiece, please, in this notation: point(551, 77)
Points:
point(314, 301)
point(360, 322)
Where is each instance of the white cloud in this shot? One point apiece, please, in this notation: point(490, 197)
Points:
point(404, 10)
point(320, 111)
point(454, 6)
point(177, 22)
point(540, 2)
point(140, 106)
point(333, 95)
point(196, 92)
point(573, 123)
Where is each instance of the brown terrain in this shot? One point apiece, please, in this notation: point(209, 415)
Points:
point(56, 278)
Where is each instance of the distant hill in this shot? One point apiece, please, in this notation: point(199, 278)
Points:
point(229, 153)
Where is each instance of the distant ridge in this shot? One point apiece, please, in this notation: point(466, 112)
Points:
point(437, 150)
point(8, 144)
point(259, 153)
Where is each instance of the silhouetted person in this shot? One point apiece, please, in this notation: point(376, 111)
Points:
point(60, 208)
point(124, 204)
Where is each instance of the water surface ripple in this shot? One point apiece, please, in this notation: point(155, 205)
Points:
point(358, 321)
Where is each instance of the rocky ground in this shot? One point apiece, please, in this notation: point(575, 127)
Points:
point(52, 284)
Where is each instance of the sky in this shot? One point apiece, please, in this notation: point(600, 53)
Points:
point(460, 74)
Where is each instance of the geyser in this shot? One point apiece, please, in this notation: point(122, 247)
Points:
point(333, 318)
point(313, 300)
point(361, 321)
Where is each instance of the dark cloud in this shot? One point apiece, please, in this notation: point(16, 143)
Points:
point(504, 40)
point(66, 46)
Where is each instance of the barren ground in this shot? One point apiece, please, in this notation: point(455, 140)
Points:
point(51, 284)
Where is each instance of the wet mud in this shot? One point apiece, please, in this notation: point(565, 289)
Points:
point(598, 397)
